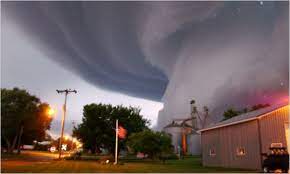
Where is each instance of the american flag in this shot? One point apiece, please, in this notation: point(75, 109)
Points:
point(122, 132)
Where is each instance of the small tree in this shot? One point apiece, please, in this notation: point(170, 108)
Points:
point(97, 129)
point(231, 112)
point(259, 106)
point(154, 144)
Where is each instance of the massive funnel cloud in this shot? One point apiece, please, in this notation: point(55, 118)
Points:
point(238, 59)
point(220, 54)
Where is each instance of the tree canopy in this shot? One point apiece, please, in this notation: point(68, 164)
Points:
point(97, 129)
point(229, 113)
point(232, 112)
point(154, 144)
point(23, 118)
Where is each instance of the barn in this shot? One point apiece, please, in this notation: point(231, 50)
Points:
point(238, 142)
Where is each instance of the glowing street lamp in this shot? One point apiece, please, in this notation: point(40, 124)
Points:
point(79, 145)
point(50, 112)
point(66, 137)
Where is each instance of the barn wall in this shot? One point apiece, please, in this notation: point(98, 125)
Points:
point(226, 140)
point(272, 128)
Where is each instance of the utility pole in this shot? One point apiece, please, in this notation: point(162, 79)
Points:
point(116, 143)
point(66, 92)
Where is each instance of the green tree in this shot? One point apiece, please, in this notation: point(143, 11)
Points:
point(259, 106)
point(97, 129)
point(36, 126)
point(154, 144)
point(23, 118)
point(231, 112)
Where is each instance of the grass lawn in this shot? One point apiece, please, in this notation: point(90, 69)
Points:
point(189, 165)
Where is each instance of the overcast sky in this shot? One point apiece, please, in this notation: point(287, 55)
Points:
point(145, 53)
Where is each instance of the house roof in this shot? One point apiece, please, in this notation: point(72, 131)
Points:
point(245, 117)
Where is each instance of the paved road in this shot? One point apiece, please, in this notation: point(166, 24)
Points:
point(39, 156)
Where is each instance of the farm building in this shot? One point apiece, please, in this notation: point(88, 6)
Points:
point(183, 136)
point(238, 142)
point(184, 132)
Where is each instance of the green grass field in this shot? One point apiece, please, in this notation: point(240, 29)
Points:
point(189, 165)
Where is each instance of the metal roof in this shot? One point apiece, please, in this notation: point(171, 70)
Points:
point(245, 117)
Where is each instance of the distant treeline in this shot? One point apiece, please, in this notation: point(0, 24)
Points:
point(232, 112)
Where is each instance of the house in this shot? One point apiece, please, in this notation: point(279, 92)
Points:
point(238, 142)
point(184, 136)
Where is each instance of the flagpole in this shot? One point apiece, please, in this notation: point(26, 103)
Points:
point(116, 146)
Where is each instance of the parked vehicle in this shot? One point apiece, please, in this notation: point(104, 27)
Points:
point(277, 159)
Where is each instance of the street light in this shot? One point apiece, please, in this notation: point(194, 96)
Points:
point(66, 137)
point(50, 112)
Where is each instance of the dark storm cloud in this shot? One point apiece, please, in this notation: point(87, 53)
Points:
point(217, 53)
point(95, 40)
point(117, 46)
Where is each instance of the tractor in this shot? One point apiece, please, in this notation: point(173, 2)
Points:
point(278, 159)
